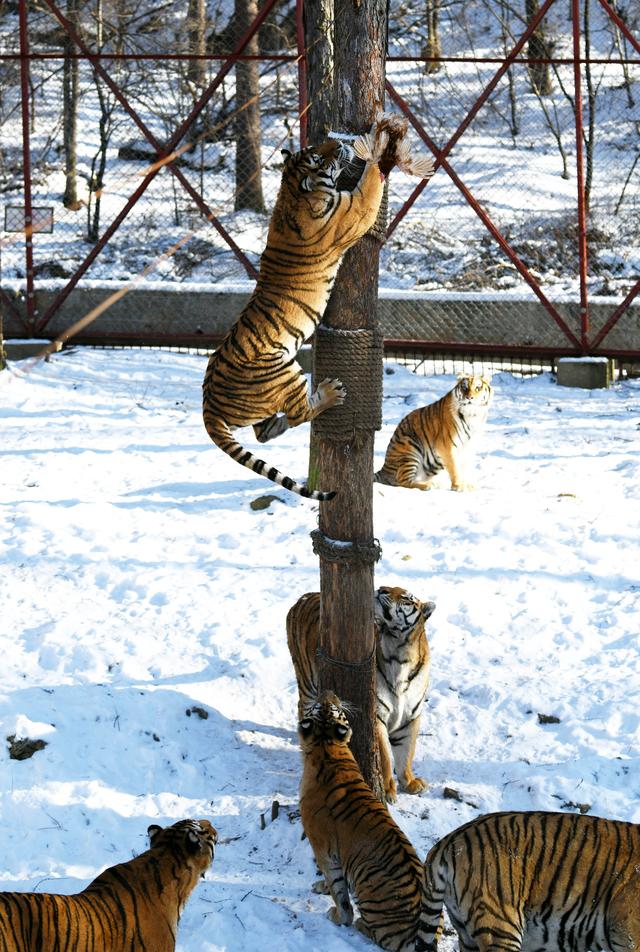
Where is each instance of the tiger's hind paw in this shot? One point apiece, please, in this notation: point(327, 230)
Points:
point(271, 427)
point(343, 916)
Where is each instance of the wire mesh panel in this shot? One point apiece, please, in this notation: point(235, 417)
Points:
point(510, 168)
point(153, 138)
point(101, 127)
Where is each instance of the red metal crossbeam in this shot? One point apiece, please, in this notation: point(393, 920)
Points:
point(441, 161)
point(622, 26)
point(635, 290)
point(480, 101)
point(164, 152)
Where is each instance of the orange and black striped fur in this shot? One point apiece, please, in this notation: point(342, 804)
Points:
point(437, 437)
point(131, 906)
point(536, 881)
point(358, 846)
point(402, 676)
point(253, 378)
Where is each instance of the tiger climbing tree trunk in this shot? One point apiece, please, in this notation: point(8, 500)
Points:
point(347, 345)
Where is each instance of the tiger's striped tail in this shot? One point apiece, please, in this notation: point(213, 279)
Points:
point(223, 438)
point(431, 915)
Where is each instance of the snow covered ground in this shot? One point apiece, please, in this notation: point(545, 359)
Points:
point(142, 612)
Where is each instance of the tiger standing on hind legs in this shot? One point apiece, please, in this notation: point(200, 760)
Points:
point(253, 378)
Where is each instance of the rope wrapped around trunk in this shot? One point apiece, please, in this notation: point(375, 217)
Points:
point(334, 550)
point(355, 358)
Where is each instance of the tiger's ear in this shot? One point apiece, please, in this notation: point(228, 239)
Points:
point(427, 609)
point(286, 154)
point(305, 726)
point(193, 841)
point(487, 378)
point(153, 831)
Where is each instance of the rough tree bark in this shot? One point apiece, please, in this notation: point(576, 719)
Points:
point(196, 32)
point(538, 49)
point(248, 137)
point(70, 112)
point(432, 46)
point(318, 33)
point(346, 615)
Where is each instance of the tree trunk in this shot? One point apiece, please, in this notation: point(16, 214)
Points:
point(538, 49)
point(319, 40)
point(70, 112)
point(196, 31)
point(347, 637)
point(248, 164)
point(432, 46)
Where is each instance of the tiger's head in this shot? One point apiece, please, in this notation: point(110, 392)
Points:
point(191, 842)
point(397, 612)
point(316, 168)
point(324, 722)
point(472, 389)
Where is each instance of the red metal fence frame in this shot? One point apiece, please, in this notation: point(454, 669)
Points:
point(166, 153)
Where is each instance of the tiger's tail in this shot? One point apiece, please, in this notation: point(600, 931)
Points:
point(431, 916)
point(223, 438)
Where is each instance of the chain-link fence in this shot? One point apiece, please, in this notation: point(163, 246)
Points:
point(142, 150)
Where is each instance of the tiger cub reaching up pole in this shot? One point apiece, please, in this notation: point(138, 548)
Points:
point(402, 674)
point(253, 378)
point(359, 848)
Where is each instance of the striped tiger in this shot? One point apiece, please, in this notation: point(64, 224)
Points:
point(131, 906)
point(253, 378)
point(437, 437)
point(359, 848)
point(558, 881)
point(402, 674)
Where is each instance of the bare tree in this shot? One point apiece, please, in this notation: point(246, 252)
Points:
point(248, 136)
point(196, 29)
point(319, 47)
point(432, 46)
point(537, 51)
point(70, 111)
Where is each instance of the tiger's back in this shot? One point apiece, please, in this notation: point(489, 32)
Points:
point(358, 846)
point(436, 437)
point(253, 378)
point(132, 906)
point(534, 880)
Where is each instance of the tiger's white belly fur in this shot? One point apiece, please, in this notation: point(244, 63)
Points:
point(400, 706)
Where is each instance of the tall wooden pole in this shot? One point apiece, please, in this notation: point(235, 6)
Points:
point(347, 639)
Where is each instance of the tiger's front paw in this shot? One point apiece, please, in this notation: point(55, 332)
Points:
point(415, 785)
point(343, 916)
point(330, 393)
point(390, 791)
point(463, 487)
